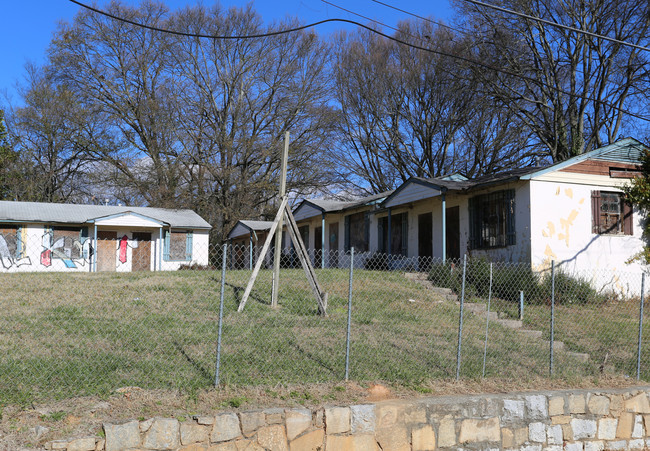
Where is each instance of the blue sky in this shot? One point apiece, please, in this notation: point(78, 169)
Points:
point(27, 28)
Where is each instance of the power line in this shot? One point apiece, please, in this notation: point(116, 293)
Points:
point(372, 30)
point(440, 24)
point(555, 24)
point(360, 15)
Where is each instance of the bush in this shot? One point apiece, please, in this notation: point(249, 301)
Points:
point(446, 275)
point(571, 290)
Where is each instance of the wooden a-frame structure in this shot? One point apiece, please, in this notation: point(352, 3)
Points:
point(284, 212)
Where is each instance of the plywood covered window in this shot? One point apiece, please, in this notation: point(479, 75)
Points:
point(67, 242)
point(492, 220)
point(610, 214)
point(11, 241)
point(357, 229)
point(177, 246)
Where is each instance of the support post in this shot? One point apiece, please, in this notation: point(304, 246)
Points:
point(460, 318)
point(322, 241)
point(638, 356)
point(161, 247)
point(250, 251)
point(550, 362)
point(278, 236)
point(389, 249)
point(487, 323)
point(444, 227)
point(223, 286)
point(521, 306)
point(347, 340)
point(95, 250)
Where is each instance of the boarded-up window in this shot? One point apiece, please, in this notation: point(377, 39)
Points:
point(356, 232)
point(398, 234)
point(492, 220)
point(66, 242)
point(178, 246)
point(610, 214)
point(11, 245)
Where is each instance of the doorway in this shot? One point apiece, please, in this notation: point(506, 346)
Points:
point(141, 255)
point(452, 234)
point(106, 250)
point(425, 241)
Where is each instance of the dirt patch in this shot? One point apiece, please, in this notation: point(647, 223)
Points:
point(30, 427)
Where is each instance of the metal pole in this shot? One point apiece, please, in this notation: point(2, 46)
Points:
point(487, 322)
point(278, 236)
point(223, 286)
point(460, 320)
point(250, 252)
point(322, 240)
point(550, 362)
point(638, 357)
point(521, 306)
point(347, 340)
point(444, 227)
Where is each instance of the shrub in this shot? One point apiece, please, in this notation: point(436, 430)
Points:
point(571, 290)
point(446, 275)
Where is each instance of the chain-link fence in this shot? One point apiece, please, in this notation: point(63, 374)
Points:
point(72, 327)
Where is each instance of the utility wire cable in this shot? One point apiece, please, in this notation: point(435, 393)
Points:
point(555, 24)
point(440, 24)
point(360, 15)
point(372, 30)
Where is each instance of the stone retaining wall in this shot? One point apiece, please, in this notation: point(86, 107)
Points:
point(571, 420)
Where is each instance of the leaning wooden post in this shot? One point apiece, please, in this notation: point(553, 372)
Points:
point(278, 236)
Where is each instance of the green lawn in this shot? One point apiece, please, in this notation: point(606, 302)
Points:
point(65, 335)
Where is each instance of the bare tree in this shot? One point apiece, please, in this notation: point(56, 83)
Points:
point(574, 92)
point(408, 112)
point(51, 136)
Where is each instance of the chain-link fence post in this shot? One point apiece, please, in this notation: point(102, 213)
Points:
point(223, 289)
point(487, 322)
point(550, 362)
point(638, 357)
point(347, 339)
point(460, 319)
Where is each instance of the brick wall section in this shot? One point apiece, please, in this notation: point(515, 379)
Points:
point(586, 420)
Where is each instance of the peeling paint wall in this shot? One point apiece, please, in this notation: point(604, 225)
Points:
point(561, 226)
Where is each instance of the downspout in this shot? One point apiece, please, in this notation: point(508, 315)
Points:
point(444, 227)
point(322, 241)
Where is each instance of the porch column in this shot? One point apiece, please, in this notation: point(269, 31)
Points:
point(161, 244)
point(389, 249)
point(250, 250)
point(94, 261)
point(322, 240)
point(444, 227)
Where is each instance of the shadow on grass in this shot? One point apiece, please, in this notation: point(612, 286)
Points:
point(205, 374)
point(239, 292)
point(312, 357)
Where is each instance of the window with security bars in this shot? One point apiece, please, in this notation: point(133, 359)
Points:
point(611, 215)
point(492, 220)
point(177, 246)
point(357, 227)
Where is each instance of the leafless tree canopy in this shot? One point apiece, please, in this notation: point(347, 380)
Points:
point(141, 117)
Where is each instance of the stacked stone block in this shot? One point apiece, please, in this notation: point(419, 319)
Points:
point(586, 420)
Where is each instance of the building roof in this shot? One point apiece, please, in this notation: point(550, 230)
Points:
point(51, 213)
point(330, 206)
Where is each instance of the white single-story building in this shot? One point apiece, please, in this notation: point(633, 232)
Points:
point(37, 236)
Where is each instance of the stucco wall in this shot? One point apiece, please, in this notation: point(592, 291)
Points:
point(555, 420)
point(561, 230)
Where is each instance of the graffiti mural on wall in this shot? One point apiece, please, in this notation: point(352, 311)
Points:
point(9, 253)
point(73, 252)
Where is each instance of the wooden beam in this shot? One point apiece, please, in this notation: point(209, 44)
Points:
point(265, 249)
